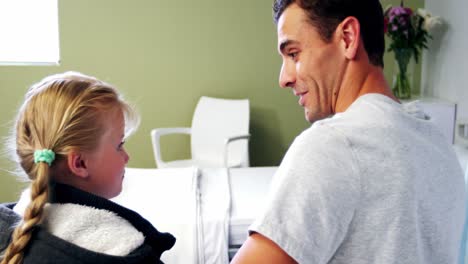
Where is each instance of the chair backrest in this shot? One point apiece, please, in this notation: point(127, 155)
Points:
point(213, 121)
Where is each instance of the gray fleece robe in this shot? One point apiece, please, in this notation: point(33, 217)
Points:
point(8, 219)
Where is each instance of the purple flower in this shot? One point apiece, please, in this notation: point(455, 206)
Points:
point(397, 11)
point(406, 29)
point(402, 21)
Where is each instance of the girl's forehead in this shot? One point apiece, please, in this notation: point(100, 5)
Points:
point(114, 124)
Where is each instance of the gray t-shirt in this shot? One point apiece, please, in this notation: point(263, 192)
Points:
point(375, 184)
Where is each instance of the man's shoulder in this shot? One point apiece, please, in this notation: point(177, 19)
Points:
point(367, 119)
point(321, 139)
point(367, 112)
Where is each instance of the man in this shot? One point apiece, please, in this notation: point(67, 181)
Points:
point(371, 181)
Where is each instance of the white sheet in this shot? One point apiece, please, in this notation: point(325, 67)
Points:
point(166, 198)
point(215, 207)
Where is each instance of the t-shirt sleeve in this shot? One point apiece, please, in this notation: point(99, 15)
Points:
point(313, 196)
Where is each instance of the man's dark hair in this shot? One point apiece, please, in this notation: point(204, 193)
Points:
point(325, 15)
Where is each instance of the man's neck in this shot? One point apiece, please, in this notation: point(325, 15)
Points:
point(360, 80)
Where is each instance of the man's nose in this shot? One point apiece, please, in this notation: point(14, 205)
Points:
point(287, 76)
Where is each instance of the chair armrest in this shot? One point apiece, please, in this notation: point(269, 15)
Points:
point(228, 141)
point(155, 136)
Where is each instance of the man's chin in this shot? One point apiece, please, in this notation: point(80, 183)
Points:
point(312, 117)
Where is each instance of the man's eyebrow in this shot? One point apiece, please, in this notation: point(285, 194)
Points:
point(285, 43)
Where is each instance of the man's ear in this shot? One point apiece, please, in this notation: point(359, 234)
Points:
point(77, 164)
point(350, 36)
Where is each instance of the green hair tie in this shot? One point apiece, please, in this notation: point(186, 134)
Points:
point(44, 155)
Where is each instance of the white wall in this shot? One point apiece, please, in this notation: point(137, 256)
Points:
point(445, 63)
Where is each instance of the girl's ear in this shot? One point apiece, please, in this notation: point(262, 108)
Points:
point(77, 165)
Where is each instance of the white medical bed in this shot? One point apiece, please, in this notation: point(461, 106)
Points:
point(193, 204)
point(249, 195)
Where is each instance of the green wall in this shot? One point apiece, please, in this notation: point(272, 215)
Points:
point(164, 55)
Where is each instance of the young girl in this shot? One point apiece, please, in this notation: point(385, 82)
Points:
point(69, 139)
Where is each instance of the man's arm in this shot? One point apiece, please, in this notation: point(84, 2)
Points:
point(259, 249)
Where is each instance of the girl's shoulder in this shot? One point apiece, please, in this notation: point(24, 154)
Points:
point(8, 219)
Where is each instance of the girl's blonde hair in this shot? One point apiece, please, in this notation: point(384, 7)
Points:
point(63, 112)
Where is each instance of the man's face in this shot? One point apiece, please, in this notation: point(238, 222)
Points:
point(311, 67)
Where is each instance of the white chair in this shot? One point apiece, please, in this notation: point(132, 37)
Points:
point(219, 135)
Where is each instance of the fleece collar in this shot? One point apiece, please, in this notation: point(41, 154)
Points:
point(96, 223)
point(98, 230)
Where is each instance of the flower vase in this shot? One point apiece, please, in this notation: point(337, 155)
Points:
point(403, 73)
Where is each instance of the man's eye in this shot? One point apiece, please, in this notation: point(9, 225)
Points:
point(292, 55)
